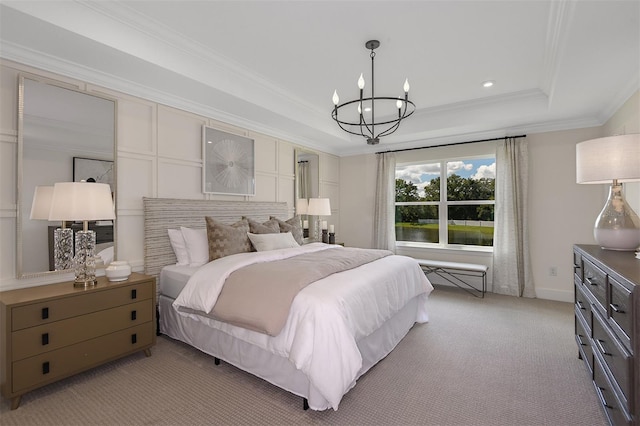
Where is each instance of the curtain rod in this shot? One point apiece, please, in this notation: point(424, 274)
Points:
point(453, 144)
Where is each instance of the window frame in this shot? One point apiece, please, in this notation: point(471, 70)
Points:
point(444, 203)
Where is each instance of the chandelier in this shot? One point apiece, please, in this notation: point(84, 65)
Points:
point(371, 129)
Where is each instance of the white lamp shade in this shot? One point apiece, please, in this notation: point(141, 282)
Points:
point(41, 203)
point(605, 159)
point(302, 206)
point(319, 207)
point(81, 201)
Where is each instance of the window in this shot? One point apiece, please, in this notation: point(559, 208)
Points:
point(448, 203)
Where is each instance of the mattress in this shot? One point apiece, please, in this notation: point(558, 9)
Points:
point(173, 278)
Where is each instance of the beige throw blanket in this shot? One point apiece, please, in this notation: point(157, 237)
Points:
point(258, 296)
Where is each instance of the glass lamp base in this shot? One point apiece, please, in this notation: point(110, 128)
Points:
point(617, 226)
point(63, 249)
point(85, 259)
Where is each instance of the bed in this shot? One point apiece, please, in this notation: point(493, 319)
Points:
point(326, 342)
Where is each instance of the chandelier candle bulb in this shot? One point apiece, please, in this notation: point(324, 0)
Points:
point(406, 85)
point(361, 81)
point(336, 98)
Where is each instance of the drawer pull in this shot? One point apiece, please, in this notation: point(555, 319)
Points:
point(134, 294)
point(603, 400)
point(616, 308)
point(45, 339)
point(133, 315)
point(592, 281)
point(45, 367)
point(580, 342)
point(601, 347)
point(580, 305)
point(45, 313)
point(134, 339)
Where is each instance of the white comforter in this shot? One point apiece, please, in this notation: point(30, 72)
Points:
point(327, 318)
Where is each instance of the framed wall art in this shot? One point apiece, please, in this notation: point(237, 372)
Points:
point(229, 163)
point(92, 170)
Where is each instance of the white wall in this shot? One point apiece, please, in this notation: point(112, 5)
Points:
point(561, 212)
point(159, 154)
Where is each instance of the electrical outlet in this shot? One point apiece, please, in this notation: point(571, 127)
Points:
point(553, 271)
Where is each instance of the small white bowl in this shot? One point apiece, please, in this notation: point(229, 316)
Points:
point(118, 270)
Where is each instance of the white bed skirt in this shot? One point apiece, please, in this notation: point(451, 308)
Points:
point(273, 368)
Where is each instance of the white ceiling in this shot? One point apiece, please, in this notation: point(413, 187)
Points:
point(272, 66)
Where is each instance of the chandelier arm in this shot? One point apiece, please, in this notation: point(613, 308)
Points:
point(347, 130)
point(396, 123)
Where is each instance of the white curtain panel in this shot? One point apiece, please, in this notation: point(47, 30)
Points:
point(303, 180)
point(511, 263)
point(384, 232)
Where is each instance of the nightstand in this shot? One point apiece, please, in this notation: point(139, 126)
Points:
point(54, 331)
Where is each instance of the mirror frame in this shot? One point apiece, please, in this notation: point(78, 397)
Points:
point(20, 274)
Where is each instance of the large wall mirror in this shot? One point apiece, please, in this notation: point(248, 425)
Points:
point(307, 174)
point(64, 135)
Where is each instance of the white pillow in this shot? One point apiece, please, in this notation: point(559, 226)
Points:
point(197, 245)
point(265, 242)
point(179, 246)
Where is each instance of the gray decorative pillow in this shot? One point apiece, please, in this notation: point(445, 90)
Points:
point(269, 227)
point(293, 225)
point(225, 240)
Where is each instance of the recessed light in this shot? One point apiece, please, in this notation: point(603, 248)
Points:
point(488, 83)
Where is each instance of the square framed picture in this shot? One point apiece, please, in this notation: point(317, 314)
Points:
point(229, 163)
point(92, 170)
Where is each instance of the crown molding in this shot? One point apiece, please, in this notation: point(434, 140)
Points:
point(52, 64)
point(561, 15)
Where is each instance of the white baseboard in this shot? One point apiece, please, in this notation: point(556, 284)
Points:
point(554, 294)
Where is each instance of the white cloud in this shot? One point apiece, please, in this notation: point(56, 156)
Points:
point(488, 172)
point(456, 166)
point(414, 173)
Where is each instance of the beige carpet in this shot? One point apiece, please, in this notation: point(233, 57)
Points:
point(493, 361)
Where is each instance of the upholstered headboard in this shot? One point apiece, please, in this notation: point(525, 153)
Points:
point(161, 214)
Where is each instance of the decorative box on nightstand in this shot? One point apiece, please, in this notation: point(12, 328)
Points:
point(54, 331)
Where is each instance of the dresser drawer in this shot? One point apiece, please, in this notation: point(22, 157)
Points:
point(577, 266)
point(621, 310)
point(613, 407)
point(584, 342)
point(48, 337)
point(44, 368)
point(58, 309)
point(583, 306)
point(615, 356)
point(595, 281)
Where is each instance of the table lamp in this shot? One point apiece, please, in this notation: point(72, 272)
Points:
point(615, 160)
point(83, 201)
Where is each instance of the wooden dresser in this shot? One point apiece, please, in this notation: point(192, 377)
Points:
point(53, 331)
point(607, 327)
